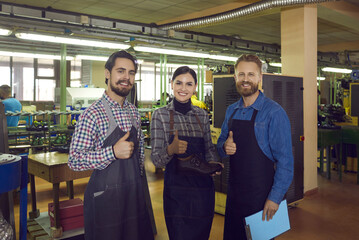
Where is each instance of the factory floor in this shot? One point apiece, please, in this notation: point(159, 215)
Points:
point(330, 213)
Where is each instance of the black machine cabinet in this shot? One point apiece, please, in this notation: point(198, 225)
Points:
point(285, 90)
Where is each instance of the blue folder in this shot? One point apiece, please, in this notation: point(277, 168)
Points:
point(257, 229)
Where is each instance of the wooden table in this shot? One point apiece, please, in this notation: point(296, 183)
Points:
point(52, 167)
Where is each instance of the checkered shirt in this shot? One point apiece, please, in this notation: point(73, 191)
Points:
point(86, 150)
point(186, 125)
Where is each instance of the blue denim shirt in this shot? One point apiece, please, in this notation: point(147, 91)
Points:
point(273, 134)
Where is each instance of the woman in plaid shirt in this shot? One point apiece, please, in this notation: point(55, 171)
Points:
point(180, 136)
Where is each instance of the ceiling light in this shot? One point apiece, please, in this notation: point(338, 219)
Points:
point(71, 41)
point(99, 58)
point(336, 70)
point(34, 55)
point(320, 78)
point(174, 65)
point(184, 53)
point(171, 52)
point(5, 32)
point(275, 64)
point(223, 58)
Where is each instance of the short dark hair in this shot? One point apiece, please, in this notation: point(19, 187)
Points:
point(249, 58)
point(5, 91)
point(184, 70)
point(119, 54)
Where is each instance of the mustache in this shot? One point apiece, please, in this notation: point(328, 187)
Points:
point(124, 81)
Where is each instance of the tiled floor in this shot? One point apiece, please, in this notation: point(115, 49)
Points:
point(331, 213)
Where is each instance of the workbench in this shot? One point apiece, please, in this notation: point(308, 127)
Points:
point(328, 138)
point(350, 135)
point(52, 167)
point(337, 138)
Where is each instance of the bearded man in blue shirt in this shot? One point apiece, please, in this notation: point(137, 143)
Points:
point(256, 135)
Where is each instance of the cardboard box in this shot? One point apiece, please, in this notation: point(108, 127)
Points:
point(209, 76)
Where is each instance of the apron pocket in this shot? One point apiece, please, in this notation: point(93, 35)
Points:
point(118, 204)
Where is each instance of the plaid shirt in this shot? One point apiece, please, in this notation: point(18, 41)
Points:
point(186, 125)
point(86, 150)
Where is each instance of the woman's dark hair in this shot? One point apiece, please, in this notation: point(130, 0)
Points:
point(184, 70)
point(119, 54)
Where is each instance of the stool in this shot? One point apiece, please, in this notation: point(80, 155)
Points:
point(12, 176)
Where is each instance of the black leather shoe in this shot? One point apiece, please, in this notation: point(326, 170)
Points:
point(194, 164)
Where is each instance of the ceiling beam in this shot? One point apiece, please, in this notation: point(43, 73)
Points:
point(340, 47)
point(341, 13)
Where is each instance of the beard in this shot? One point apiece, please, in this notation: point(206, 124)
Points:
point(245, 92)
point(121, 92)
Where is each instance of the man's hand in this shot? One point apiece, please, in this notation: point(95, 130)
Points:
point(270, 208)
point(229, 146)
point(177, 146)
point(123, 149)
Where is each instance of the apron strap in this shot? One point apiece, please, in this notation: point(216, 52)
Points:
point(199, 122)
point(112, 122)
point(172, 122)
point(230, 119)
point(254, 115)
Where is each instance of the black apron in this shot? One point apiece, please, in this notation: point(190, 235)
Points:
point(251, 177)
point(188, 200)
point(114, 206)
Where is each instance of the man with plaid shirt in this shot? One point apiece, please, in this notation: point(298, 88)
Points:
point(109, 140)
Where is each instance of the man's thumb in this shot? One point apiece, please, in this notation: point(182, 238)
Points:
point(230, 137)
point(176, 134)
point(124, 138)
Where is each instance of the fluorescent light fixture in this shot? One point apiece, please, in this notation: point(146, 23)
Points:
point(5, 32)
point(184, 53)
point(336, 70)
point(223, 58)
point(175, 65)
point(71, 41)
point(171, 52)
point(99, 58)
point(93, 58)
point(275, 64)
point(320, 78)
point(34, 55)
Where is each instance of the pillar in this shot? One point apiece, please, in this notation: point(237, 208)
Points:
point(299, 58)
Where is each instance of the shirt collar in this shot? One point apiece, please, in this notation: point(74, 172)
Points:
point(258, 104)
point(171, 106)
point(113, 103)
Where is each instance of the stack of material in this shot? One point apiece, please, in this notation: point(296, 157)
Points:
point(71, 214)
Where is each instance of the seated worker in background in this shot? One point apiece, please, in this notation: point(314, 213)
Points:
point(198, 103)
point(11, 104)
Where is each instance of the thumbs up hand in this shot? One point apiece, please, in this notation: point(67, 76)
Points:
point(229, 146)
point(177, 146)
point(123, 149)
